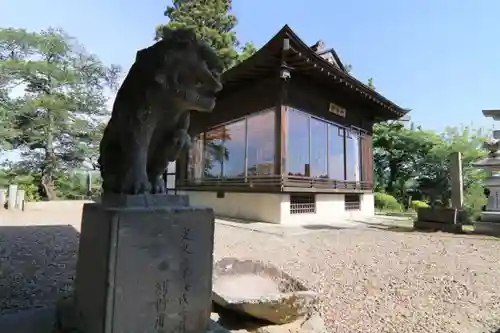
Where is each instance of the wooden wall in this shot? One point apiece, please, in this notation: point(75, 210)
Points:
point(234, 104)
point(309, 96)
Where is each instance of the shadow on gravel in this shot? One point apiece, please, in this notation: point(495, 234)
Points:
point(322, 227)
point(235, 220)
point(438, 233)
point(37, 264)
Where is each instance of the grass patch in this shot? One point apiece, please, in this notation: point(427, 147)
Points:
point(409, 214)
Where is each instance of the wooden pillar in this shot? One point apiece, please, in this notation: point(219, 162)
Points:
point(367, 158)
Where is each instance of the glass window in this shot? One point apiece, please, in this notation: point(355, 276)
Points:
point(234, 144)
point(297, 158)
point(260, 153)
point(214, 153)
point(195, 164)
point(335, 152)
point(353, 165)
point(319, 148)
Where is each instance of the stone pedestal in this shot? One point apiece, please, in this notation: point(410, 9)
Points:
point(144, 265)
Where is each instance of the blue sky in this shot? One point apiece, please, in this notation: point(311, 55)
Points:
point(439, 58)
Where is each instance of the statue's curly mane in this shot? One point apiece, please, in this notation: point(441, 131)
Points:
point(151, 110)
point(164, 56)
point(184, 38)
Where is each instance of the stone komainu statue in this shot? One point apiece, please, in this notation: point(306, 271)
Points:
point(150, 118)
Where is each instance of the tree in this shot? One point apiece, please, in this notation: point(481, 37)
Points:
point(12, 46)
point(211, 20)
point(397, 154)
point(434, 170)
point(213, 23)
point(62, 100)
point(415, 162)
point(247, 51)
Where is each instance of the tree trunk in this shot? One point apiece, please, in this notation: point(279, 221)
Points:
point(392, 179)
point(47, 188)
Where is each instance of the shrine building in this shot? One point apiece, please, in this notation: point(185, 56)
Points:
point(289, 141)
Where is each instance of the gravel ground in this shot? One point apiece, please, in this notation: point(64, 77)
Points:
point(370, 280)
point(386, 281)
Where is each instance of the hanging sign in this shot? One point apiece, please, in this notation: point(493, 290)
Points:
point(337, 110)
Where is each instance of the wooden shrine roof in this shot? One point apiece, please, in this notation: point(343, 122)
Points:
point(304, 59)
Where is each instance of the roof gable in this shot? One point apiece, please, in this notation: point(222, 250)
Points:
point(286, 48)
point(328, 54)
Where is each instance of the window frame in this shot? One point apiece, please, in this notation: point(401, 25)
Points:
point(342, 130)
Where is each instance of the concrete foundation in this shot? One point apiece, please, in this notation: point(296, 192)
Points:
point(144, 265)
point(489, 224)
point(275, 207)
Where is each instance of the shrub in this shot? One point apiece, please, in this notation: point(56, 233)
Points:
point(474, 200)
point(384, 201)
point(415, 204)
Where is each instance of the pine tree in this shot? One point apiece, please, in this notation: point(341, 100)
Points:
point(247, 51)
point(61, 102)
point(213, 22)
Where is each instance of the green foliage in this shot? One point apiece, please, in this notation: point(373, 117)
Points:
point(397, 154)
point(247, 51)
point(415, 162)
point(387, 202)
point(74, 186)
point(415, 204)
point(25, 181)
point(474, 200)
point(213, 23)
point(56, 122)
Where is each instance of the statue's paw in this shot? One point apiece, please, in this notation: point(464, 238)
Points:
point(158, 185)
point(136, 185)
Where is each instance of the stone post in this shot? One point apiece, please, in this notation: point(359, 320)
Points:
point(11, 203)
point(457, 187)
point(20, 199)
point(3, 197)
point(144, 265)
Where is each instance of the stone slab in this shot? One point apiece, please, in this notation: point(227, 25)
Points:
point(490, 217)
point(145, 200)
point(144, 269)
point(487, 228)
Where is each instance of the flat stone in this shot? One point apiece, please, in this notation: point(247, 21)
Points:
point(144, 200)
point(487, 228)
point(261, 291)
point(143, 268)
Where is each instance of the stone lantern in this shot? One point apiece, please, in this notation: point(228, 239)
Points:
point(490, 218)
